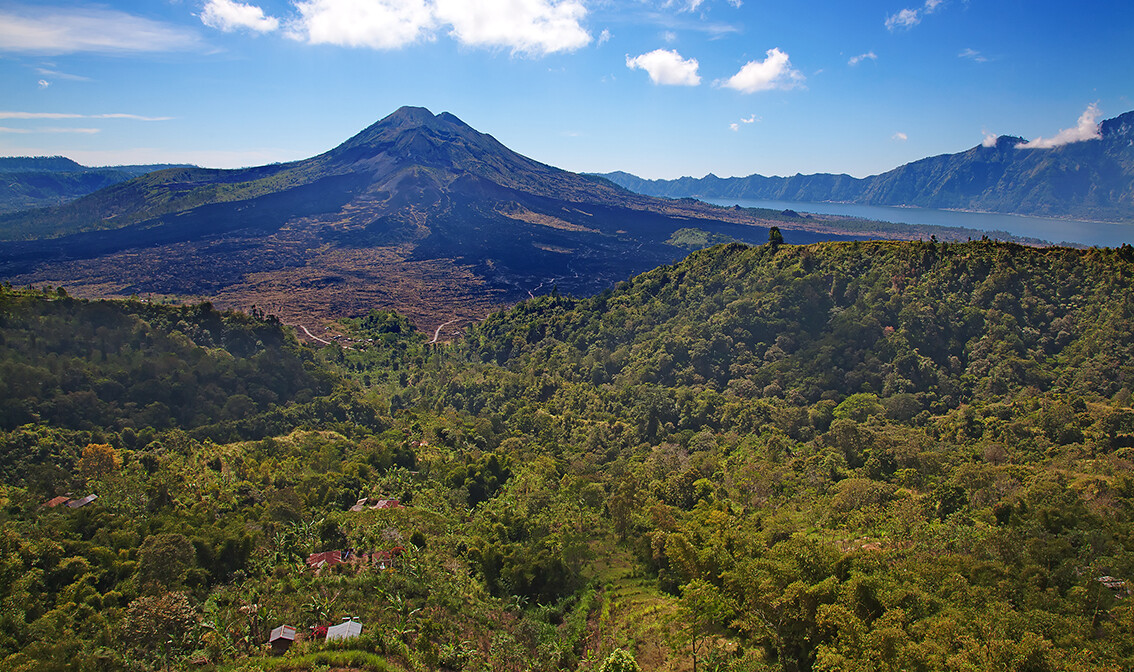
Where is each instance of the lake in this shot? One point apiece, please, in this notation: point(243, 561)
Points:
point(1101, 234)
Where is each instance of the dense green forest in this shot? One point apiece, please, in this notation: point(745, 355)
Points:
point(842, 456)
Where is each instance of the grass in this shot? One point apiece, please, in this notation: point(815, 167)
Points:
point(317, 660)
point(635, 614)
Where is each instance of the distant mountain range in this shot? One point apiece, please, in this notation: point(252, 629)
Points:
point(1090, 179)
point(44, 181)
point(418, 212)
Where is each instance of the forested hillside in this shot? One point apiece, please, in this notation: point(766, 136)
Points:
point(43, 181)
point(844, 456)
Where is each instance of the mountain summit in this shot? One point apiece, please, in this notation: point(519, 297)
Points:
point(418, 212)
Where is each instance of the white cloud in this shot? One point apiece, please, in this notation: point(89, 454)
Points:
point(69, 115)
point(603, 38)
point(900, 137)
point(536, 27)
point(669, 36)
point(377, 24)
point(989, 139)
point(973, 54)
point(908, 18)
point(68, 30)
point(855, 60)
point(666, 67)
point(774, 72)
point(1086, 129)
point(43, 83)
point(228, 15)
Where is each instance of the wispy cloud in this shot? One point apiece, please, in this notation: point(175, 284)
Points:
point(973, 55)
point(989, 139)
point(1086, 129)
point(680, 22)
point(774, 72)
point(34, 131)
point(666, 67)
point(603, 38)
point(526, 27)
point(908, 18)
point(899, 137)
point(693, 5)
point(47, 72)
point(43, 83)
point(735, 126)
point(855, 60)
point(228, 15)
point(69, 115)
point(68, 30)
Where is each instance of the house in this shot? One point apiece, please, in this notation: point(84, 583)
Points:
point(79, 503)
point(281, 639)
point(390, 559)
point(367, 502)
point(320, 560)
point(348, 629)
point(52, 503)
point(1117, 585)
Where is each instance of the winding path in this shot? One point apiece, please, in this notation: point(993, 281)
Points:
point(308, 332)
point(437, 334)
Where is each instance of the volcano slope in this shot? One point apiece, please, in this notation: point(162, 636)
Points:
point(418, 213)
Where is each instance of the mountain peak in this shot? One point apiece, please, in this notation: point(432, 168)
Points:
point(1120, 126)
point(408, 115)
point(402, 124)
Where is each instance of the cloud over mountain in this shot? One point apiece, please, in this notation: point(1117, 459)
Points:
point(1086, 129)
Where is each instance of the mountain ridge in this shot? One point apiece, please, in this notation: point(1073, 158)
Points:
point(45, 181)
point(1089, 179)
point(417, 212)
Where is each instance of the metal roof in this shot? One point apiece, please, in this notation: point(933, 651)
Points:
point(345, 630)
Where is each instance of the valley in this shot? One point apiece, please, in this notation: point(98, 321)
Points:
point(735, 461)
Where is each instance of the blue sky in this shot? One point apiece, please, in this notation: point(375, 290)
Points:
point(659, 88)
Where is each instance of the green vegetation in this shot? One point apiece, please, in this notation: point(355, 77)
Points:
point(847, 456)
point(696, 239)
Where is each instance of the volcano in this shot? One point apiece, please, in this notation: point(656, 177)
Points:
point(419, 212)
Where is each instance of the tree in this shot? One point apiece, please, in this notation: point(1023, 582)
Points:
point(700, 612)
point(99, 459)
point(163, 560)
point(161, 625)
point(620, 660)
point(775, 238)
